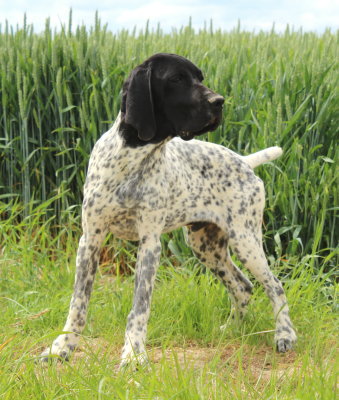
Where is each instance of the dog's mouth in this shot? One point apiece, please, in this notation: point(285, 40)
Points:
point(211, 126)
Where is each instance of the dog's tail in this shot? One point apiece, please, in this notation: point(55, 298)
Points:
point(263, 156)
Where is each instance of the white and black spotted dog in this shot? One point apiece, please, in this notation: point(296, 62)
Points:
point(146, 177)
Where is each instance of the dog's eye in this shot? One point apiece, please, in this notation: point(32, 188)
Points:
point(176, 78)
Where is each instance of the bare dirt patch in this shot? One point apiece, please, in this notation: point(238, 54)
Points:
point(258, 363)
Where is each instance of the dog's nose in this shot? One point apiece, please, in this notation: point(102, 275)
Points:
point(216, 100)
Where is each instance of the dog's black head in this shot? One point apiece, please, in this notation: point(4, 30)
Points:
point(164, 97)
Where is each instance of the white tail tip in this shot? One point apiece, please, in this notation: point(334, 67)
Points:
point(263, 156)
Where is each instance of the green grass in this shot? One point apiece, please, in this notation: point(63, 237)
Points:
point(191, 357)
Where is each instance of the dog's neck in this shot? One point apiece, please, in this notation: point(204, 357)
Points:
point(121, 151)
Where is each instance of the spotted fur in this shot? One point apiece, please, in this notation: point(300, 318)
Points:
point(140, 187)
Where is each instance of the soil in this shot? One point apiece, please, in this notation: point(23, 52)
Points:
point(258, 363)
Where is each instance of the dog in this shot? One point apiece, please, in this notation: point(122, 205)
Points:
point(147, 175)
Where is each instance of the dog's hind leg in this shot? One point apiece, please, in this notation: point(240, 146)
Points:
point(210, 244)
point(250, 252)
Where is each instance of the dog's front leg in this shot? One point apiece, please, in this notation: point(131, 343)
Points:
point(86, 265)
point(146, 269)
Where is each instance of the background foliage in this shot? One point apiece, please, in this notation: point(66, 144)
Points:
point(59, 91)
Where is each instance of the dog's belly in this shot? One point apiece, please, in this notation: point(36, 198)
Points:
point(124, 223)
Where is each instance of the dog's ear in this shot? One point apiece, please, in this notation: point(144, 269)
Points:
point(138, 103)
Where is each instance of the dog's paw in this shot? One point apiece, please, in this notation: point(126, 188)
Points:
point(61, 349)
point(285, 339)
point(284, 345)
point(134, 362)
point(49, 356)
